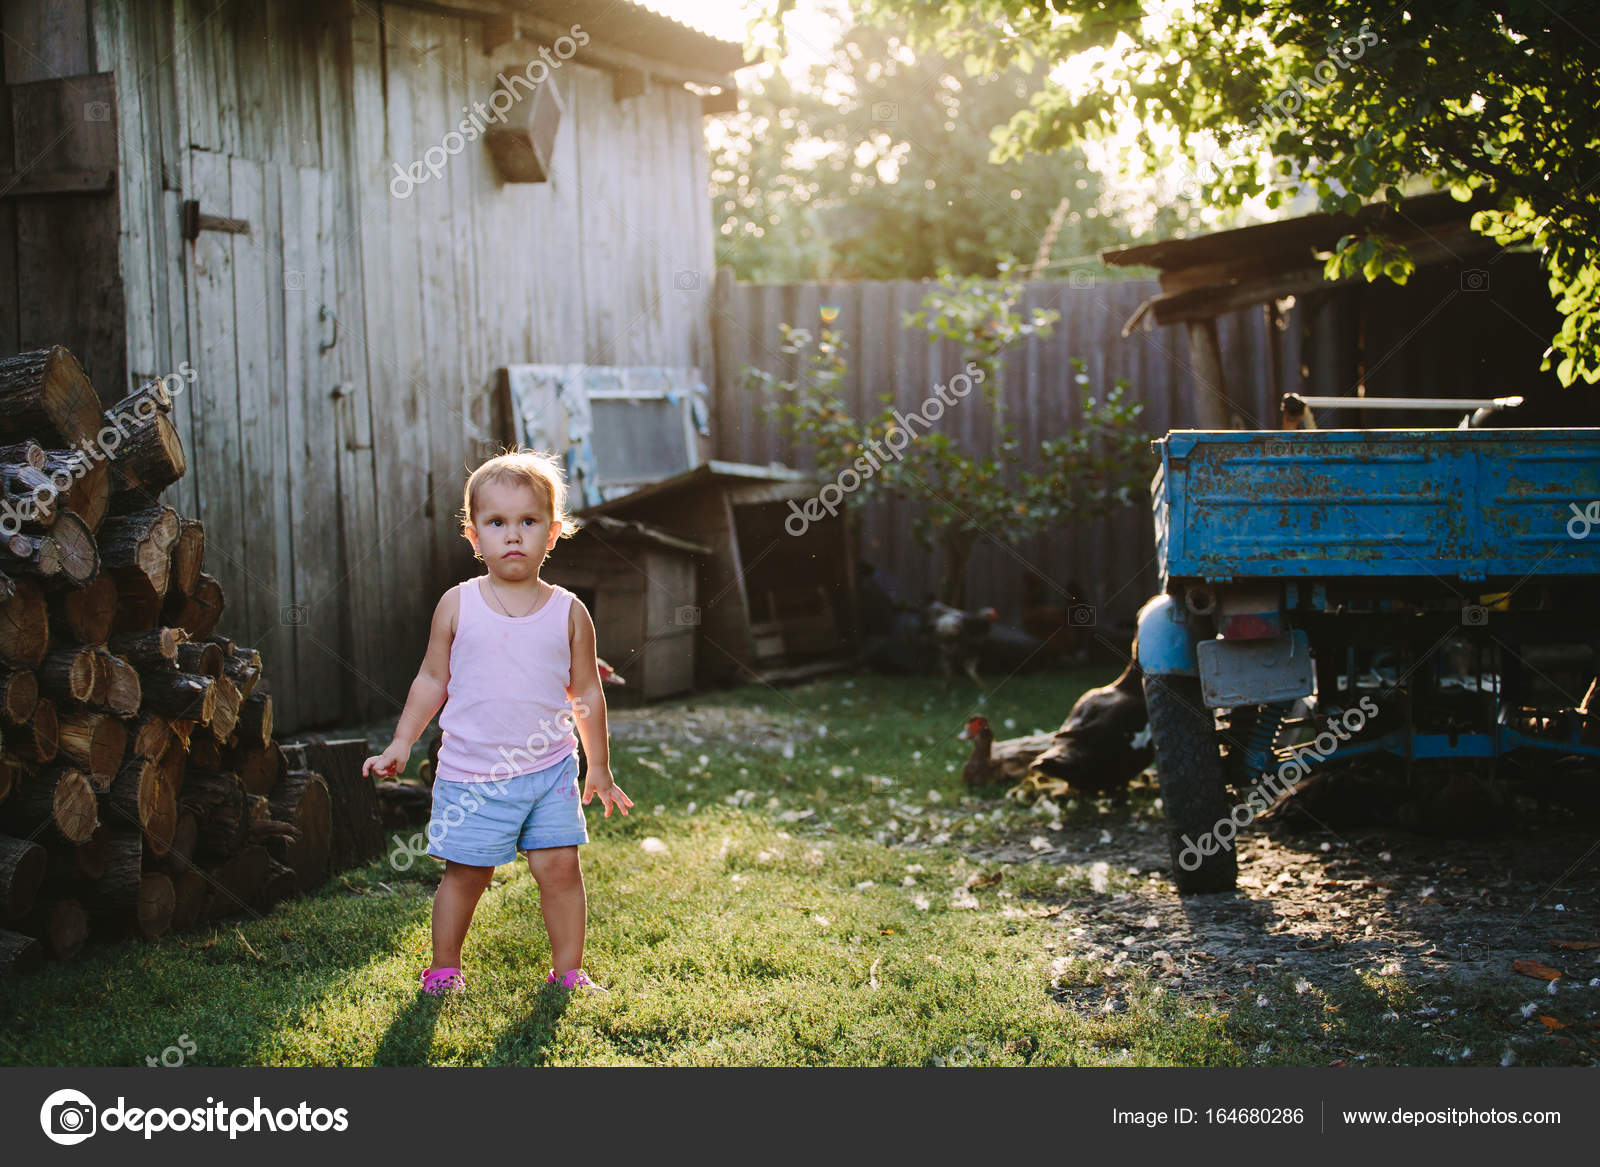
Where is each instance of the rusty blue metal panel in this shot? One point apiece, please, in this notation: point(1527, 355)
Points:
point(1349, 503)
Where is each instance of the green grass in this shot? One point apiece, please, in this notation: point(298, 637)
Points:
point(751, 940)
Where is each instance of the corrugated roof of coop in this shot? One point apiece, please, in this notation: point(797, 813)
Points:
point(702, 475)
point(1208, 275)
point(614, 529)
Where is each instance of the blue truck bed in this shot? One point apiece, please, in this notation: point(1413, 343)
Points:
point(1465, 504)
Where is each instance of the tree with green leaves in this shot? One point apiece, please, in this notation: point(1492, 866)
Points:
point(1349, 99)
point(963, 495)
point(876, 166)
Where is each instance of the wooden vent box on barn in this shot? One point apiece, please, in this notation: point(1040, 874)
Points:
point(638, 583)
point(523, 148)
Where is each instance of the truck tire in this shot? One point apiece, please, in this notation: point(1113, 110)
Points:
point(1193, 792)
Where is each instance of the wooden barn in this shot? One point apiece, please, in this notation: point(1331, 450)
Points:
point(333, 223)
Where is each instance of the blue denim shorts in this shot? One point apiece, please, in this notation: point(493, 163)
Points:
point(485, 824)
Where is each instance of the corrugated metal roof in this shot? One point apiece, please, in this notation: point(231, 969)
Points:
point(622, 24)
point(698, 478)
point(1210, 275)
point(1292, 240)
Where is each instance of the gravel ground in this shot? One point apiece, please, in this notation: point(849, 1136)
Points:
point(1332, 910)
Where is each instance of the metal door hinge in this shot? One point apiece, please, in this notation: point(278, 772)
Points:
point(194, 222)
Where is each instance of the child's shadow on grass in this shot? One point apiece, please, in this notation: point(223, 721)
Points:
point(409, 1039)
point(524, 1041)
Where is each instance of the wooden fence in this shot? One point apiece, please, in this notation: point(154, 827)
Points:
point(1109, 563)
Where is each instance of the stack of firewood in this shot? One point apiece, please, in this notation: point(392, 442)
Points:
point(141, 789)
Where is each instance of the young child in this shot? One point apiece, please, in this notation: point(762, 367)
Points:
point(507, 652)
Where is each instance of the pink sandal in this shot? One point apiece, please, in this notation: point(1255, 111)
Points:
point(575, 979)
point(438, 981)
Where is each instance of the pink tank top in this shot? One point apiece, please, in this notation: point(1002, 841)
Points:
point(506, 710)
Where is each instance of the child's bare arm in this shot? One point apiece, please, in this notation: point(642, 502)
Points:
point(588, 701)
point(589, 707)
point(428, 690)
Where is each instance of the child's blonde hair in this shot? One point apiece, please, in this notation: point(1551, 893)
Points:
point(534, 469)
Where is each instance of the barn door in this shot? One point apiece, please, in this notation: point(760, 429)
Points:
point(264, 296)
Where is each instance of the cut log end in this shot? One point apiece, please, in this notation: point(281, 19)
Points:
point(22, 869)
point(19, 954)
point(156, 901)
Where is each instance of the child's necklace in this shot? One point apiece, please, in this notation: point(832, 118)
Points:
point(502, 602)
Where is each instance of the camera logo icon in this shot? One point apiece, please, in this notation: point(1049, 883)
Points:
point(1081, 615)
point(294, 281)
point(686, 280)
point(293, 615)
point(1474, 615)
point(687, 614)
point(97, 111)
point(68, 1117)
point(1474, 279)
point(885, 111)
point(1081, 279)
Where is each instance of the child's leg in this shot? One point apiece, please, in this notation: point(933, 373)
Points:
point(562, 900)
point(453, 905)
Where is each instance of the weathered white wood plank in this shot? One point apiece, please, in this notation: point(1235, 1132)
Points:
point(254, 289)
point(308, 541)
point(291, 85)
point(395, 372)
point(700, 212)
point(219, 27)
point(196, 62)
point(403, 400)
point(256, 59)
point(474, 378)
point(119, 43)
point(326, 580)
point(172, 46)
point(285, 293)
point(216, 464)
point(350, 82)
point(488, 345)
point(560, 243)
point(436, 44)
point(599, 145)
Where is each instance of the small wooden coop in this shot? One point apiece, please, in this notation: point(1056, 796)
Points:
point(638, 583)
point(771, 605)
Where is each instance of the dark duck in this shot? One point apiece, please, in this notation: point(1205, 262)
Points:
point(1104, 744)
